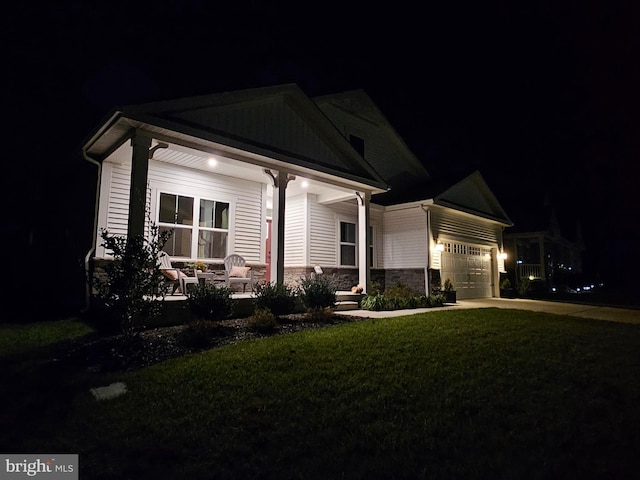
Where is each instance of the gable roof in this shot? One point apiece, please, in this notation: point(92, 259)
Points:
point(271, 123)
point(469, 194)
point(354, 112)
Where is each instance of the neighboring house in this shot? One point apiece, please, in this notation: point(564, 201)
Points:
point(539, 250)
point(290, 183)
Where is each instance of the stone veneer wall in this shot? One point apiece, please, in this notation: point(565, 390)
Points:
point(344, 278)
point(412, 277)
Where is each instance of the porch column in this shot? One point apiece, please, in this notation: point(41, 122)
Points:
point(280, 180)
point(364, 239)
point(138, 188)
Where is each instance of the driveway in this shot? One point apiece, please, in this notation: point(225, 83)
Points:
point(612, 314)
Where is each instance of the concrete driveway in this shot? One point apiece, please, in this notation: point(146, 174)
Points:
point(612, 314)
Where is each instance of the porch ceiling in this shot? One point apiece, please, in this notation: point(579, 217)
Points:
point(191, 158)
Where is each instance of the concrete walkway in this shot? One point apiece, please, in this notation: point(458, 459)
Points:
point(612, 314)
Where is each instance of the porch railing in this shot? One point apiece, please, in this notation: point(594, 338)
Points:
point(530, 270)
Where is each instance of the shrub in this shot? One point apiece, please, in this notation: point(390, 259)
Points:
point(199, 333)
point(524, 287)
point(317, 291)
point(505, 284)
point(319, 315)
point(276, 297)
point(133, 278)
point(209, 302)
point(373, 302)
point(447, 286)
point(262, 321)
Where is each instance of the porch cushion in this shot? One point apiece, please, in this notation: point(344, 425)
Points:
point(172, 274)
point(239, 272)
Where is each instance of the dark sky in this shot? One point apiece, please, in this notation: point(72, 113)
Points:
point(541, 97)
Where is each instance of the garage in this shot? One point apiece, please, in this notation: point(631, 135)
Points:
point(469, 268)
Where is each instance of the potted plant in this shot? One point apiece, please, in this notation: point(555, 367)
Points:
point(197, 266)
point(448, 291)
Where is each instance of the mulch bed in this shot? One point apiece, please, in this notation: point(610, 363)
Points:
point(101, 353)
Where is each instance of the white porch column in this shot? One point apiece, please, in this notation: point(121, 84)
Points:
point(364, 239)
point(280, 181)
point(138, 188)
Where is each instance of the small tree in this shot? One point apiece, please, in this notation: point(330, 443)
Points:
point(133, 279)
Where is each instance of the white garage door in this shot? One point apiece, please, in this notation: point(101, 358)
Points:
point(469, 268)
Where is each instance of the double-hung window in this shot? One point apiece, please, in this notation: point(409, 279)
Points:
point(200, 226)
point(348, 244)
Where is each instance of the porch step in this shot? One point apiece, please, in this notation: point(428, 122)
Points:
point(346, 300)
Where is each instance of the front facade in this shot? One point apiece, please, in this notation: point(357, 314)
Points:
point(290, 183)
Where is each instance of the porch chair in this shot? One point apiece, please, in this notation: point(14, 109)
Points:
point(236, 271)
point(175, 276)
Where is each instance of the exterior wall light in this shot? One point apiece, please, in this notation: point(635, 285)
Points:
point(503, 255)
point(439, 247)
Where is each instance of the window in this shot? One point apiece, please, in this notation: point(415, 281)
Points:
point(371, 250)
point(204, 238)
point(347, 244)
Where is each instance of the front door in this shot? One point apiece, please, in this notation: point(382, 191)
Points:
point(268, 251)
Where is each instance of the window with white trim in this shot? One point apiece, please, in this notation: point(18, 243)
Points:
point(200, 226)
point(371, 248)
point(348, 244)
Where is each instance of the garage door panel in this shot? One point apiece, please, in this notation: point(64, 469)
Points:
point(469, 269)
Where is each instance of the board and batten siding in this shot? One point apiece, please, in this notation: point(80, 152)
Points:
point(247, 229)
point(405, 238)
point(452, 225)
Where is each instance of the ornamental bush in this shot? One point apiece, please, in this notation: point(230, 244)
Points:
point(276, 297)
point(317, 291)
point(210, 302)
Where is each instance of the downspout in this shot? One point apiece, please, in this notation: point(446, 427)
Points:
point(94, 237)
point(87, 259)
point(426, 275)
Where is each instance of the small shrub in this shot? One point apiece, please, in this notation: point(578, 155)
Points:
point(447, 286)
point(276, 297)
point(505, 284)
point(373, 302)
point(318, 291)
point(319, 315)
point(262, 321)
point(209, 302)
point(199, 333)
point(435, 300)
point(524, 287)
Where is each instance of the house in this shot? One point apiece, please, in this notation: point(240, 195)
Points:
point(543, 252)
point(290, 183)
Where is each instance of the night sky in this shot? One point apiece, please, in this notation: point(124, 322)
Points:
point(542, 98)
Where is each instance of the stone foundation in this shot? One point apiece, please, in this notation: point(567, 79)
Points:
point(412, 277)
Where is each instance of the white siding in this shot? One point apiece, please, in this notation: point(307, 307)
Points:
point(405, 238)
point(447, 223)
point(246, 197)
point(323, 239)
point(295, 231)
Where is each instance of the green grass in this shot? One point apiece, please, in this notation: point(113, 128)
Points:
point(470, 394)
point(22, 338)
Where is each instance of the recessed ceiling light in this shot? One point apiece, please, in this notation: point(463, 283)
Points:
point(213, 162)
point(305, 184)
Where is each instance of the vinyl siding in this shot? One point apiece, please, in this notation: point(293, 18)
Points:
point(405, 238)
point(446, 223)
point(246, 230)
point(295, 231)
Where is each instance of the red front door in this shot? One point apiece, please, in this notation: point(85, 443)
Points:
point(268, 250)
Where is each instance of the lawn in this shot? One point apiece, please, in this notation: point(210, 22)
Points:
point(471, 394)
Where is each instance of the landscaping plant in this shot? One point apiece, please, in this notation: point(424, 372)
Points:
point(279, 298)
point(127, 295)
point(317, 291)
point(209, 302)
